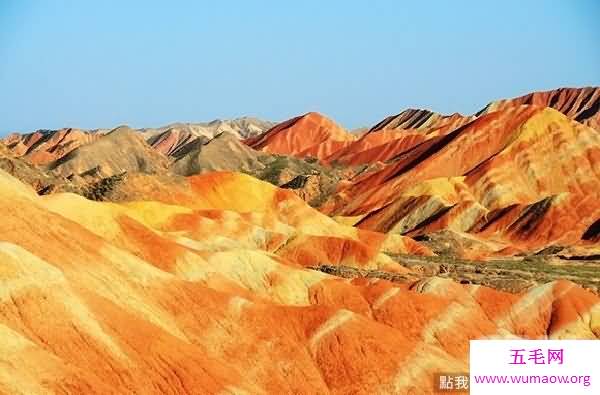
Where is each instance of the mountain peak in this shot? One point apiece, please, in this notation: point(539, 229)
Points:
point(580, 104)
point(310, 134)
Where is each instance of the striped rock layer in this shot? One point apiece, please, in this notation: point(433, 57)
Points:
point(579, 104)
point(420, 120)
point(118, 151)
point(204, 291)
point(316, 136)
point(43, 147)
point(527, 176)
point(311, 135)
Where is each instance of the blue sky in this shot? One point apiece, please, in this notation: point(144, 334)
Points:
point(95, 64)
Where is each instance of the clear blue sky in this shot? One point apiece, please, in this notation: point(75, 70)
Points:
point(101, 63)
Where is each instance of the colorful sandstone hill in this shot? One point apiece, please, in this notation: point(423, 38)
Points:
point(296, 258)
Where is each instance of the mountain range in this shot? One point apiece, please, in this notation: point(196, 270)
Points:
point(251, 257)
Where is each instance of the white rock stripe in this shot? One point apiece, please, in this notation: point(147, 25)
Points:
point(338, 319)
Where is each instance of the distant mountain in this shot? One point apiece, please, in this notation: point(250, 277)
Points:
point(224, 152)
point(579, 104)
point(168, 139)
point(242, 128)
point(42, 181)
point(173, 140)
point(120, 150)
point(309, 135)
point(45, 146)
point(420, 120)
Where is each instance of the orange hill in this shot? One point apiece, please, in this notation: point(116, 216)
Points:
point(422, 120)
point(399, 133)
point(207, 283)
point(579, 104)
point(492, 177)
point(156, 298)
point(311, 134)
point(42, 147)
point(174, 140)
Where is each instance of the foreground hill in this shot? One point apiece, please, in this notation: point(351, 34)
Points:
point(209, 295)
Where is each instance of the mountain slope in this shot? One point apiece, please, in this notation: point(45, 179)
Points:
point(493, 177)
point(181, 279)
point(448, 155)
point(42, 147)
point(42, 181)
point(45, 146)
point(168, 140)
point(223, 152)
point(173, 140)
point(420, 120)
point(242, 128)
point(120, 150)
point(136, 299)
point(311, 135)
point(579, 104)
